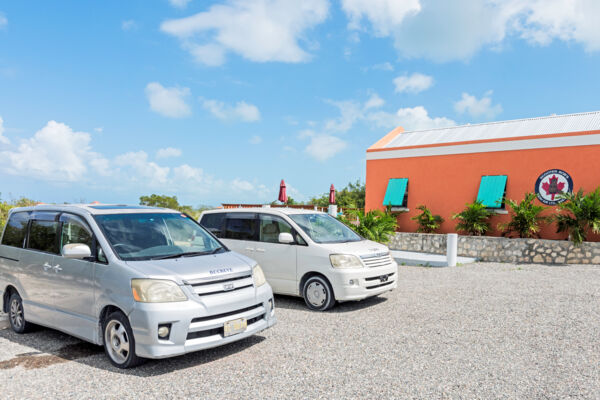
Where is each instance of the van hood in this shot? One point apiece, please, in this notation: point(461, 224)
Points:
point(190, 268)
point(361, 248)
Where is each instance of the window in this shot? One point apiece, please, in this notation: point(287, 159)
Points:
point(322, 228)
point(270, 228)
point(43, 236)
point(16, 229)
point(74, 230)
point(241, 226)
point(152, 236)
point(396, 194)
point(214, 223)
point(492, 191)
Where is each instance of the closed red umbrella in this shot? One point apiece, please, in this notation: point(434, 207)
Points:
point(282, 194)
point(332, 194)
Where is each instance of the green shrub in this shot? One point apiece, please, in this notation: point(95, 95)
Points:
point(375, 225)
point(525, 218)
point(474, 219)
point(578, 215)
point(428, 223)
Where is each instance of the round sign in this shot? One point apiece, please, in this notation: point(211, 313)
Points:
point(551, 185)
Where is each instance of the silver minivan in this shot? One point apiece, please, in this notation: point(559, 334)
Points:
point(144, 282)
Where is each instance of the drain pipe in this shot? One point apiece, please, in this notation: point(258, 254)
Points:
point(451, 249)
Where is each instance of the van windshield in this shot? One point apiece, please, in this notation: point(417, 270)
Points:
point(147, 236)
point(323, 228)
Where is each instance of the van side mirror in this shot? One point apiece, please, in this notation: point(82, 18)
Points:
point(286, 238)
point(76, 251)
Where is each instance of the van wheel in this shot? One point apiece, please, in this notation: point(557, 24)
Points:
point(119, 344)
point(16, 315)
point(318, 294)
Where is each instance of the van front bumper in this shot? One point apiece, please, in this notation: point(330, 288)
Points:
point(360, 283)
point(198, 325)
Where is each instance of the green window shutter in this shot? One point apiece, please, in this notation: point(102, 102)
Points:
point(394, 195)
point(491, 190)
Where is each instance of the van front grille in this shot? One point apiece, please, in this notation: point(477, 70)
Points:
point(377, 260)
point(222, 285)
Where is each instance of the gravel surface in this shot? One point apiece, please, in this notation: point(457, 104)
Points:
point(476, 331)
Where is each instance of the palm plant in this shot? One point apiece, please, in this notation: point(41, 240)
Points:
point(526, 218)
point(374, 225)
point(428, 223)
point(579, 214)
point(474, 219)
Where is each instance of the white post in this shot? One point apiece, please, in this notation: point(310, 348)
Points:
point(451, 249)
point(332, 210)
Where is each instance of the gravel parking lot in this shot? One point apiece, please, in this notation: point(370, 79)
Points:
point(476, 331)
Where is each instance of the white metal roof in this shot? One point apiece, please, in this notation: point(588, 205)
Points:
point(554, 124)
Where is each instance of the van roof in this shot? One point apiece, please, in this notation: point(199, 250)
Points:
point(96, 209)
point(265, 210)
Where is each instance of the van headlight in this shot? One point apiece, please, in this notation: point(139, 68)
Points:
point(258, 276)
point(344, 261)
point(156, 291)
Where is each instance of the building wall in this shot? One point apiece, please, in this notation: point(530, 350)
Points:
point(445, 183)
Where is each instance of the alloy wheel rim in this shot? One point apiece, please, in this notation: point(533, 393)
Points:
point(117, 341)
point(16, 314)
point(316, 294)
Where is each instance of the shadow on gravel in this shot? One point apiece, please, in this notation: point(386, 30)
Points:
point(297, 303)
point(46, 354)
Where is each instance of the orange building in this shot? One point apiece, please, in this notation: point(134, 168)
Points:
point(446, 168)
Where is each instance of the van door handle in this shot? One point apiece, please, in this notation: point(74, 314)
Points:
point(47, 266)
point(260, 250)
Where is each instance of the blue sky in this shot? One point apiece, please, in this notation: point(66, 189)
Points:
point(218, 101)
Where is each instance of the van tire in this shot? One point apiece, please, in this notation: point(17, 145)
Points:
point(16, 315)
point(318, 294)
point(117, 335)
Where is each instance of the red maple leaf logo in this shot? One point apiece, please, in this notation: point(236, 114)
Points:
point(553, 187)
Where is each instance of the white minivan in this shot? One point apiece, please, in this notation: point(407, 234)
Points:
point(306, 253)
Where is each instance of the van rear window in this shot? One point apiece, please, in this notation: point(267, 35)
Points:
point(16, 228)
point(214, 223)
point(43, 236)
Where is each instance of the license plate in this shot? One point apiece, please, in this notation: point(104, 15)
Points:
point(235, 326)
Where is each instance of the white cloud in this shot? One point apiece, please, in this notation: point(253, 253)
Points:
point(455, 30)
point(239, 184)
point(168, 152)
point(374, 102)
point(169, 102)
point(323, 147)
point(3, 139)
point(255, 139)
point(129, 25)
point(386, 66)
point(179, 3)
point(99, 129)
point(3, 20)
point(414, 83)
point(260, 30)
point(240, 111)
point(142, 169)
point(54, 153)
point(411, 119)
point(384, 15)
point(350, 112)
point(478, 107)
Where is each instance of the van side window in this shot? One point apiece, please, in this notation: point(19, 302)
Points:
point(16, 229)
point(43, 236)
point(270, 228)
point(241, 226)
point(74, 231)
point(214, 223)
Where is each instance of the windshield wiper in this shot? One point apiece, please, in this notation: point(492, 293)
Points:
point(189, 254)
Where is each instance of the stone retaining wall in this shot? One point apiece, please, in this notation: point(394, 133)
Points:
point(498, 249)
